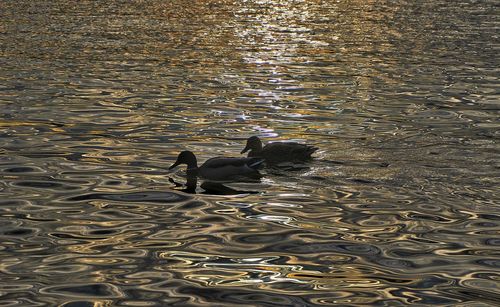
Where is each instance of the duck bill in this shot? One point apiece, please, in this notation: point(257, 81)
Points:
point(245, 149)
point(174, 165)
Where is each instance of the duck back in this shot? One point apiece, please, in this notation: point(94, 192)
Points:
point(287, 152)
point(221, 168)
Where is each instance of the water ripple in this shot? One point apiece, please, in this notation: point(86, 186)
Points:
point(397, 208)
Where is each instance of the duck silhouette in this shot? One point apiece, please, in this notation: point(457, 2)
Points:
point(220, 168)
point(277, 152)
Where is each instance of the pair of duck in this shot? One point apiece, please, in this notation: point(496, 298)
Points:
point(225, 168)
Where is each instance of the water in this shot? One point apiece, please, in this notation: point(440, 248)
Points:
point(399, 207)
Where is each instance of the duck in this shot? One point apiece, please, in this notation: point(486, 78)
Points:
point(219, 168)
point(277, 152)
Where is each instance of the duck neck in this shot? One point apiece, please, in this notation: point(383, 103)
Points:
point(192, 164)
point(192, 172)
point(256, 150)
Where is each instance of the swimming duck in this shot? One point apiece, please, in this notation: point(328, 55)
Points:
point(219, 168)
point(278, 151)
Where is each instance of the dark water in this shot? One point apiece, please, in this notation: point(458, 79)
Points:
point(400, 206)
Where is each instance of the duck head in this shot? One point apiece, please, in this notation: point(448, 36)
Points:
point(186, 157)
point(253, 144)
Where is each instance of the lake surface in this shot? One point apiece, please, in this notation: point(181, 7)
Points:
point(399, 207)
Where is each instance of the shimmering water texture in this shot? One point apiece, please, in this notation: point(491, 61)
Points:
point(399, 207)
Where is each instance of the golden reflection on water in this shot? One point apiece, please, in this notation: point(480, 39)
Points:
point(397, 208)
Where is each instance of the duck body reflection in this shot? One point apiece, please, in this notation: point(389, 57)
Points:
point(209, 187)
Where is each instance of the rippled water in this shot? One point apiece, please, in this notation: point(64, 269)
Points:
point(399, 207)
